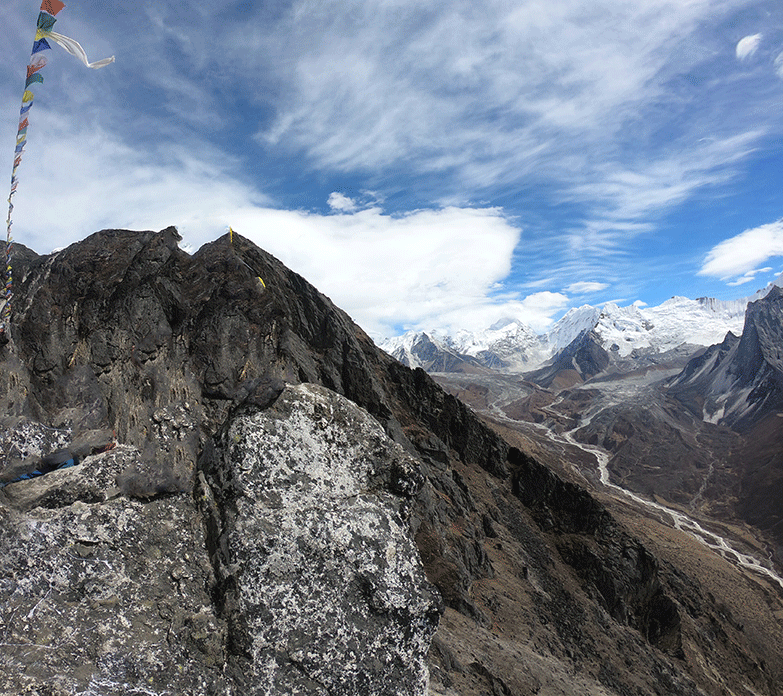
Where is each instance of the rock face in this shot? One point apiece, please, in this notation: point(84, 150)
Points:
point(323, 586)
point(581, 359)
point(320, 588)
point(105, 596)
point(288, 510)
point(739, 382)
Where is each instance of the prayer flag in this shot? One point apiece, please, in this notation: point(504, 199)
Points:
point(43, 33)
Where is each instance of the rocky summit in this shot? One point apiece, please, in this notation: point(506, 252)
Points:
point(213, 482)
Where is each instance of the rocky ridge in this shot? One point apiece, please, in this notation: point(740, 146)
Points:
point(270, 456)
point(740, 380)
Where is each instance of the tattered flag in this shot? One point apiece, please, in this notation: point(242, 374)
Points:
point(43, 33)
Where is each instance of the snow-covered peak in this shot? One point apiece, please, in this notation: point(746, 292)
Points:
point(574, 322)
point(503, 322)
point(509, 344)
point(512, 345)
point(676, 321)
point(474, 342)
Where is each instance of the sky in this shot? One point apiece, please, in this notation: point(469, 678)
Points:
point(424, 164)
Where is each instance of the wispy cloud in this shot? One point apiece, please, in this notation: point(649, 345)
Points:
point(749, 276)
point(747, 46)
point(741, 255)
point(595, 121)
point(585, 287)
point(779, 65)
point(485, 90)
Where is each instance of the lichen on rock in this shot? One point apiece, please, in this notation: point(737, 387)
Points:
point(327, 582)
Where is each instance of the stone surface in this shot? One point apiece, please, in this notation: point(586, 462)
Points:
point(327, 589)
point(109, 597)
point(106, 593)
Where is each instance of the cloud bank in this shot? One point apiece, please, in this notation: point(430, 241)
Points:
point(432, 266)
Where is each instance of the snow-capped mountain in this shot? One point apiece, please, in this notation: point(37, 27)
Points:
point(623, 330)
point(740, 379)
point(507, 345)
point(511, 346)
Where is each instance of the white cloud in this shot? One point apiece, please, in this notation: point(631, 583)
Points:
point(418, 270)
point(535, 310)
point(93, 181)
point(585, 287)
point(749, 276)
point(742, 254)
point(341, 203)
point(747, 46)
point(384, 270)
point(741, 281)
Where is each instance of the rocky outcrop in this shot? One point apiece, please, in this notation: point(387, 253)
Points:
point(303, 579)
point(276, 479)
point(740, 382)
point(320, 582)
point(105, 596)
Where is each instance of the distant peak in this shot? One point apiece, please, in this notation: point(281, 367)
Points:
point(503, 323)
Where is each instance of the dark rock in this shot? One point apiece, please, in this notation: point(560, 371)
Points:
point(739, 382)
point(580, 360)
point(212, 551)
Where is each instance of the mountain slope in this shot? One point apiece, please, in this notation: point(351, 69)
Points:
point(581, 359)
point(257, 426)
point(740, 381)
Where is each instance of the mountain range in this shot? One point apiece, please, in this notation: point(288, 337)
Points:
point(688, 430)
point(213, 482)
point(633, 331)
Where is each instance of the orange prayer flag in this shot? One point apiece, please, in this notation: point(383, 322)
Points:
point(32, 69)
point(52, 6)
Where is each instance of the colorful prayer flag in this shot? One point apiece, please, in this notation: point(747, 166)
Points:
point(43, 33)
point(52, 6)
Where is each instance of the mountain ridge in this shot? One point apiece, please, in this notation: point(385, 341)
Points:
point(511, 346)
point(741, 379)
point(270, 459)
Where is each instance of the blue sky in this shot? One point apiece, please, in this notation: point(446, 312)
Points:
point(423, 164)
